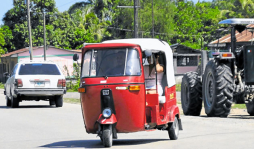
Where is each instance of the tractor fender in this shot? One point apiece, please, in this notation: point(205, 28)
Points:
point(111, 120)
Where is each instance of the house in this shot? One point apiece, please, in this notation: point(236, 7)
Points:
point(223, 43)
point(62, 57)
point(185, 58)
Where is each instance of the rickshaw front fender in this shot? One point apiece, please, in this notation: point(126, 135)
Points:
point(103, 121)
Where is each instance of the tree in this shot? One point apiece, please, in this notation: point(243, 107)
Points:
point(193, 22)
point(16, 20)
point(2, 42)
point(123, 20)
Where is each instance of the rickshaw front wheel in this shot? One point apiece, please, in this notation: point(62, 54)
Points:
point(173, 130)
point(107, 138)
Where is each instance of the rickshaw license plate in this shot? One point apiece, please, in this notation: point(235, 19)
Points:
point(105, 92)
point(39, 84)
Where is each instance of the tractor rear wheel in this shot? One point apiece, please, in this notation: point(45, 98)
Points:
point(191, 94)
point(250, 107)
point(217, 89)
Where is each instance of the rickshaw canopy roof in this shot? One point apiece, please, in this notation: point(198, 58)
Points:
point(144, 43)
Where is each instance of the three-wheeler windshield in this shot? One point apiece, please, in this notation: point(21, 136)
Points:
point(111, 62)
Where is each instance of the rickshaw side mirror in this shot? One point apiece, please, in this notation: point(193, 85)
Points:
point(148, 53)
point(75, 57)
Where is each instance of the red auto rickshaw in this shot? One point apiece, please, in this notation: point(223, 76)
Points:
point(114, 96)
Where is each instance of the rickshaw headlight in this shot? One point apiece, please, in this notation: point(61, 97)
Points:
point(106, 113)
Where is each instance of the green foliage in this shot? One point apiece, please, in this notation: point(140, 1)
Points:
point(184, 22)
point(192, 22)
point(238, 106)
point(1, 86)
point(2, 42)
point(178, 87)
point(75, 75)
point(123, 18)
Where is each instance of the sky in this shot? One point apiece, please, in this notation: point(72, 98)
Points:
point(62, 5)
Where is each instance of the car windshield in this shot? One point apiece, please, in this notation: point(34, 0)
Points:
point(111, 62)
point(38, 69)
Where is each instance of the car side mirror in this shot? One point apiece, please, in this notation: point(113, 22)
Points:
point(6, 73)
point(75, 57)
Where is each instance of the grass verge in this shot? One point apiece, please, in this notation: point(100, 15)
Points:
point(238, 106)
point(178, 87)
point(72, 100)
point(71, 90)
point(1, 86)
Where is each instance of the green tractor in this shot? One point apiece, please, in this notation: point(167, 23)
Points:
point(227, 78)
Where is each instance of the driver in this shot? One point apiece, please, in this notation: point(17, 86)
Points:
point(120, 64)
point(150, 76)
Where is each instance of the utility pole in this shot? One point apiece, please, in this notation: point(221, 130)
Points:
point(44, 28)
point(29, 30)
point(136, 6)
point(135, 19)
point(152, 20)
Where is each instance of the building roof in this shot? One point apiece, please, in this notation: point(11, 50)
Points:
point(15, 52)
point(27, 48)
point(245, 36)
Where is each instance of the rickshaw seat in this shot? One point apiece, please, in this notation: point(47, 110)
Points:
point(162, 99)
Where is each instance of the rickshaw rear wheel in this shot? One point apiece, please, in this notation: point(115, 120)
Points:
point(173, 130)
point(107, 138)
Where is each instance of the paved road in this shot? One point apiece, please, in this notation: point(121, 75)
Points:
point(36, 125)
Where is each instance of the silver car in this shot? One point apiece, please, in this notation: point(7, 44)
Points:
point(35, 81)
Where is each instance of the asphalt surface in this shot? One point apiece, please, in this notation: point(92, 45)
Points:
point(37, 125)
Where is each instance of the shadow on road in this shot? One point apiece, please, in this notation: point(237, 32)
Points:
point(28, 106)
point(241, 116)
point(98, 143)
point(235, 116)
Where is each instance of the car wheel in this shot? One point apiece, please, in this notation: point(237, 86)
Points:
point(14, 102)
point(173, 130)
point(8, 101)
point(52, 102)
point(250, 107)
point(59, 101)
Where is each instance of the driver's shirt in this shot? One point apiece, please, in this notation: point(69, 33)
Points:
point(150, 79)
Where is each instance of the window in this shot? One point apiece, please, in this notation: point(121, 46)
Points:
point(14, 70)
point(111, 62)
point(187, 61)
point(38, 69)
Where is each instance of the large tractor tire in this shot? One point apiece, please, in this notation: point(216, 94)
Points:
point(107, 137)
point(250, 107)
point(217, 89)
point(191, 94)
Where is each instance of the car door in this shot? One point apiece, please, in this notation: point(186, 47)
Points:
point(10, 82)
